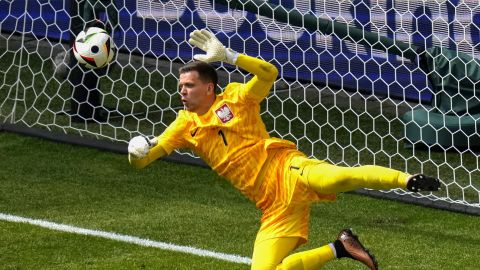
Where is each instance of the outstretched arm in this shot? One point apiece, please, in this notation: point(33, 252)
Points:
point(265, 73)
point(143, 151)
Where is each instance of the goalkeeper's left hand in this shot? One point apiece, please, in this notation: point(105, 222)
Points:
point(215, 51)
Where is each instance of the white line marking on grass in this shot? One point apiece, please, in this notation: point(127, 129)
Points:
point(126, 238)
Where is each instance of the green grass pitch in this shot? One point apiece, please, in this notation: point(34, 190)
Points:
point(189, 206)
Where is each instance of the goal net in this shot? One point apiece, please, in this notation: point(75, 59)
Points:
point(340, 98)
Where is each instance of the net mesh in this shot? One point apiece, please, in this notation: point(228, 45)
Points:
point(339, 100)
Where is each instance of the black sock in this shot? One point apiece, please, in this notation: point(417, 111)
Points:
point(340, 250)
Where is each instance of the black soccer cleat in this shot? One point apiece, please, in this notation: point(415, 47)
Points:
point(421, 182)
point(355, 250)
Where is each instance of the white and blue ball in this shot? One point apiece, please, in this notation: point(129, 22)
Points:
point(93, 48)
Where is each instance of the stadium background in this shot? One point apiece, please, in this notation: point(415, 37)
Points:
point(157, 28)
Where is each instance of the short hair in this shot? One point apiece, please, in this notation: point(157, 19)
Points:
point(206, 72)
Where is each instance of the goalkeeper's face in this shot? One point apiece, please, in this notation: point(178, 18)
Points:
point(197, 95)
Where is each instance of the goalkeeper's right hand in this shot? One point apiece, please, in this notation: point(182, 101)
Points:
point(140, 146)
point(215, 51)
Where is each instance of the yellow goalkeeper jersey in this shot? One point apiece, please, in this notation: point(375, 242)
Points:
point(231, 137)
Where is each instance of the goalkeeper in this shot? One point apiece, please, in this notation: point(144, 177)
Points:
point(227, 132)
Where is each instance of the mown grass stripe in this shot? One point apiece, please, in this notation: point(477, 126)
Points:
point(126, 238)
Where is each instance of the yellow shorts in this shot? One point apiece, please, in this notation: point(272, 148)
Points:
point(285, 201)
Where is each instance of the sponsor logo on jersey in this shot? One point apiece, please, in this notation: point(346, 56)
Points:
point(224, 113)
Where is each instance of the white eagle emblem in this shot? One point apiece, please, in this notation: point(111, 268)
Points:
point(224, 113)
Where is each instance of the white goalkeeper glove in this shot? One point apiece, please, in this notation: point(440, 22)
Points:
point(140, 146)
point(215, 51)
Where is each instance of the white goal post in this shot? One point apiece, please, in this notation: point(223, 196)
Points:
point(338, 99)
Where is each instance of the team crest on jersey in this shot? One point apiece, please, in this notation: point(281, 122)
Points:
point(224, 113)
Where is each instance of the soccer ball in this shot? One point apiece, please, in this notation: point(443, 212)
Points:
point(93, 48)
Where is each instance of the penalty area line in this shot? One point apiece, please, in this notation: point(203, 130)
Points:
point(126, 238)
